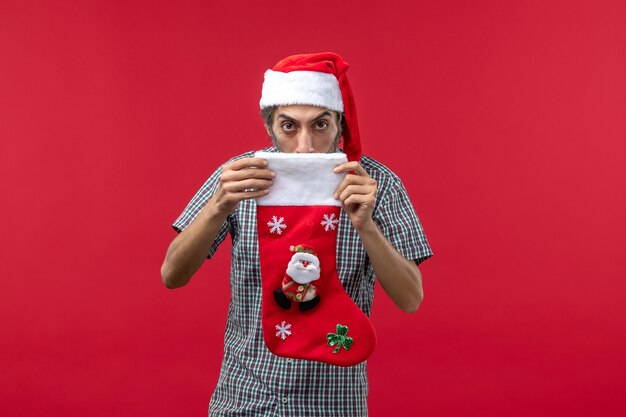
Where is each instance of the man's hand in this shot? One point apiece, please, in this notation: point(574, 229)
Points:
point(357, 192)
point(244, 179)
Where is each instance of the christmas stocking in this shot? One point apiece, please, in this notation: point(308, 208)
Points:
point(306, 313)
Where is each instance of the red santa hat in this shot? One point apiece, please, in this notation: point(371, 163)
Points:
point(316, 80)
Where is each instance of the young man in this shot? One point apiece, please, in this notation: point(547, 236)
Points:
point(307, 106)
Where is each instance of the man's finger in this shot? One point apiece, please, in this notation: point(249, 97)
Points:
point(252, 184)
point(351, 166)
point(248, 195)
point(246, 163)
point(244, 174)
point(355, 189)
point(353, 179)
point(357, 199)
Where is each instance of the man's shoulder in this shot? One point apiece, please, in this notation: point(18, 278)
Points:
point(378, 170)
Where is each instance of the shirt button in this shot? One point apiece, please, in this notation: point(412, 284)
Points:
point(300, 288)
point(284, 400)
point(289, 360)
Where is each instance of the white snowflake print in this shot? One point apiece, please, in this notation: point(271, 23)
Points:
point(329, 222)
point(283, 330)
point(277, 225)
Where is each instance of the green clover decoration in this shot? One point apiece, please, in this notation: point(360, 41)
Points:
point(339, 339)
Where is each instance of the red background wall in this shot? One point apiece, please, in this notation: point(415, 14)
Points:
point(506, 121)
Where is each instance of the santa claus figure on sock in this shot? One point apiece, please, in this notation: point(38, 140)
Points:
point(303, 269)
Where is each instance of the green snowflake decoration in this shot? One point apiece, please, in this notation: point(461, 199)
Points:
point(340, 339)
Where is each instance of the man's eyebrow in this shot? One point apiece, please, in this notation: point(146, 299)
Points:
point(284, 116)
point(322, 114)
point(291, 119)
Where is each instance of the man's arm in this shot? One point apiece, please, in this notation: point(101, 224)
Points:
point(189, 249)
point(399, 277)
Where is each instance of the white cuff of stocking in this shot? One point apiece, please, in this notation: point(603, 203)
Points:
point(302, 179)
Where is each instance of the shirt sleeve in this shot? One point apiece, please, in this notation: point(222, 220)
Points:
point(400, 225)
point(195, 206)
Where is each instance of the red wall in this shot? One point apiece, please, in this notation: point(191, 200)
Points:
point(506, 121)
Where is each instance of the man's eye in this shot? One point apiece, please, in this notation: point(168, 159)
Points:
point(321, 124)
point(287, 126)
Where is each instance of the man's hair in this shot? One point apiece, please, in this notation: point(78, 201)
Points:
point(267, 114)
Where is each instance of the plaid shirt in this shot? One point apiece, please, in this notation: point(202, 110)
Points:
point(255, 382)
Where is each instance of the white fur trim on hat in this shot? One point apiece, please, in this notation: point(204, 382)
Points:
point(301, 87)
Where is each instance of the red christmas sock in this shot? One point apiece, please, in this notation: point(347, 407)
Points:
point(306, 313)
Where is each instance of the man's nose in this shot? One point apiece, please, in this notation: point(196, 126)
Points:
point(305, 142)
point(305, 263)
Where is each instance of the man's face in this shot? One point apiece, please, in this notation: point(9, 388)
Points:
point(305, 129)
